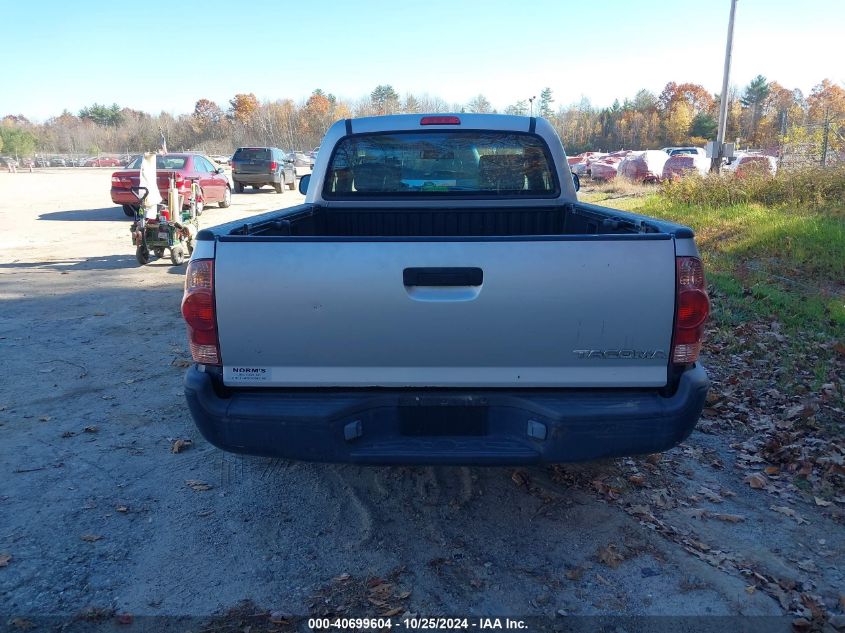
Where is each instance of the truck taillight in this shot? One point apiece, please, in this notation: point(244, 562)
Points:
point(273, 165)
point(199, 312)
point(691, 311)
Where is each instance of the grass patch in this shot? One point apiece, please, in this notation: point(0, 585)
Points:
point(781, 262)
point(805, 246)
point(616, 188)
point(805, 188)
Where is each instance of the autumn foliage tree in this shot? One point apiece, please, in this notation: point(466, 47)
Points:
point(764, 114)
point(243, 107)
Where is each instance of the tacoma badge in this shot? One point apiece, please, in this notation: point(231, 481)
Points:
point(621, 354)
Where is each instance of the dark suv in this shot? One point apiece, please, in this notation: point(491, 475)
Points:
point(259, 166)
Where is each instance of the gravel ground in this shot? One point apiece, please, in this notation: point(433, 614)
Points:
point(98, 515)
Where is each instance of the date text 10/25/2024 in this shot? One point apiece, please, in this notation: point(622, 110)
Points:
point(416, 623)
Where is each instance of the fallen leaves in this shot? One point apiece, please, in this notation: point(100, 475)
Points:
point(122, 509)
point(348, 595)
point(606, 489)
point(610, 556)
point(792, 514)
point(181, 362)
point(710, 495)
point(575, 573)
point(91, 429)
point(91, 538)
point(180, 445)
point(4, 560)
point(638, 479)
point(729, 518)
point(756, 480)
point(701, 514)
point(520, 478)
point(197, 486)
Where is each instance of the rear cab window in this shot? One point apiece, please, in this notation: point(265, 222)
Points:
point(441, 164)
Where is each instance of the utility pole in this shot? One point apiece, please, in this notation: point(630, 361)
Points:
point(531, 106)
point(716, 161)
point(826, 136)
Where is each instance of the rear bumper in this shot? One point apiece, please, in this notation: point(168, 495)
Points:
point(257, 179)
point(124, 196)
point(382, 426)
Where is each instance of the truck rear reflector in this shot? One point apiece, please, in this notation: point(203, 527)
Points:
point(199, 312)
point(440, 120)
point(691, 310)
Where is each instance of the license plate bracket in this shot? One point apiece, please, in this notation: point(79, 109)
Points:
point(439, 421)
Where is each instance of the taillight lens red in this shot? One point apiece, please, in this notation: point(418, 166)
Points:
point(691, 311)
point(199, 312)
point(273, 165)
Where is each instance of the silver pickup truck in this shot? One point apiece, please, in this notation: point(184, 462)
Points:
point(442, 297)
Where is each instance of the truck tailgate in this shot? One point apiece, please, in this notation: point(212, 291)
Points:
point(511, 312)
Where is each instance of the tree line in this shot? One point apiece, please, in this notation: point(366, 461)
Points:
point(763, 115)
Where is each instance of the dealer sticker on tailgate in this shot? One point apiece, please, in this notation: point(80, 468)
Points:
point(246, 375)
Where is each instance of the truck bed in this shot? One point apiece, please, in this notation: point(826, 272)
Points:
point(570, 219)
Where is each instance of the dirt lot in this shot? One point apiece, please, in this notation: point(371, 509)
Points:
point(99, 515)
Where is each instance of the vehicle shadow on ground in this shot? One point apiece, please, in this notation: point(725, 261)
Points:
point(107, 214)
point(107, 262)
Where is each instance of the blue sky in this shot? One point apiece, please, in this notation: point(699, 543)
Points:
point(71, 54)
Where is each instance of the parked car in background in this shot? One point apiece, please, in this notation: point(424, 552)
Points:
point(607, 167)
point(27, 163)
point(755, 164)
point(57, 161)
point(696, 151)
point(102, 161)
point(682, 163)
point(302, 162)
point(646, 166)
point(259, 166)
point(42, 161)
point(184, 167)
point(582, 168)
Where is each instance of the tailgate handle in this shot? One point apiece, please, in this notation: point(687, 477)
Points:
point(443, 276)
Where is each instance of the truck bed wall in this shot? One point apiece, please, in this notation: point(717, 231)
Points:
point(327, 222)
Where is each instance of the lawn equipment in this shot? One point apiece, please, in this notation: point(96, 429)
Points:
point(161, 227)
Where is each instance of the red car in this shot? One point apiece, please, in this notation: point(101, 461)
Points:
point(184, 167)
point(103, 161)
